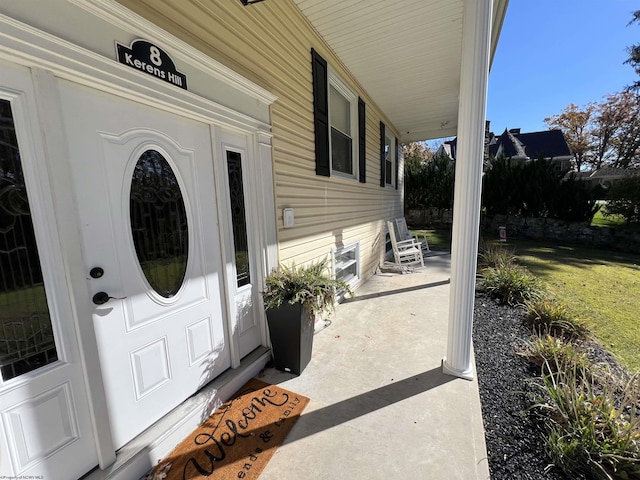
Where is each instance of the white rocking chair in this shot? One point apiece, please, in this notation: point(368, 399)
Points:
point(405, 252)
point(405, 234)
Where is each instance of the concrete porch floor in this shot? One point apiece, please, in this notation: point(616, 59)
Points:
point(381, 408)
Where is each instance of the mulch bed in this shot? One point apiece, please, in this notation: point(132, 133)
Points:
point(513, 433)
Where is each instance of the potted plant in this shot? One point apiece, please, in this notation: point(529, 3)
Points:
point(292, 298)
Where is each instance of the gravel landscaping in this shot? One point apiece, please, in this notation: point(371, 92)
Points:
point(513, 434)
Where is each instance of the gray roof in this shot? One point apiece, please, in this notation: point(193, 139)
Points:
point(545, 144)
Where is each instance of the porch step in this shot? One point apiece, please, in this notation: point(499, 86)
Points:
point(138, 456)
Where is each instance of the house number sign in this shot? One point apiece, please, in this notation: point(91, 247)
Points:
point(151, 59)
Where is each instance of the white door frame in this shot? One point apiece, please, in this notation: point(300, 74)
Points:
point(225, 140)
point(50, 57)
point(37, 167)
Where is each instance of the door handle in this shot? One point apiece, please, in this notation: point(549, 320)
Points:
point(101, 298)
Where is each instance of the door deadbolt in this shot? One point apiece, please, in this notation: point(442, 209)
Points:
point(96, 272)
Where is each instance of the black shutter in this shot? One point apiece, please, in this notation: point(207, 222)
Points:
point(362, 142)
point(397, 161)
point(320, 113)
point(382, 160)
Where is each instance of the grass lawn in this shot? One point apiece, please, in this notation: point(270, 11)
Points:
point(618, 221)
point(599, 286)
point(599, 220)
point(438, 239)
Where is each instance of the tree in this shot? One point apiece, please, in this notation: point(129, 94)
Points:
point(416, 156)
point(616, 131)
point(605, 133)
point(574, 123)
point(634, 54)
point(626, 142)
point(428, 178)
point(417, 151)
point(441, 174)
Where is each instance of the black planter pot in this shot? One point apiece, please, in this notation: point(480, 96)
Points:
point(291, 332)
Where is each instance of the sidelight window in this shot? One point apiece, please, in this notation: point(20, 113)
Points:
point(238, 218)
point(26, 334)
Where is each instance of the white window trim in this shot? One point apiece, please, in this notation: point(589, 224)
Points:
point(336, 82)
point(390, 182)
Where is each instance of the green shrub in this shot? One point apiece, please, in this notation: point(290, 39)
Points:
point(515, 187)
point(496, 256)
point(511, 284)
point(624, 199)
point(550, 351)
point(549, 315)
point(429, 184)
point(415, 182)
point(574, 201)
point(593, 427)
point(535, 189)
point(499, 194)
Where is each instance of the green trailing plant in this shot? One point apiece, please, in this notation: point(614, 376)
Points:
point(549, 315)
point(593, 426)
point(511, 284)
point(312, 285)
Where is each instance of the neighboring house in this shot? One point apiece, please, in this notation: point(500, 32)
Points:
point(605, 177)
point(548, 144)
point(447, 149)
point(159, 158)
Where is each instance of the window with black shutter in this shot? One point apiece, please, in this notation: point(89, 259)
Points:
point(339, 124)
point(388, 158)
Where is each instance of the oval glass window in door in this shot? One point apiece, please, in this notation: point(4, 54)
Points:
point(159, 223)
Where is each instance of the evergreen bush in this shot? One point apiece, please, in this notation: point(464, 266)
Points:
point(429, 184)
point(624, 199)
point(535, 189)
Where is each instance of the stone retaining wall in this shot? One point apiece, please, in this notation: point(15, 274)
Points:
point(547, 228)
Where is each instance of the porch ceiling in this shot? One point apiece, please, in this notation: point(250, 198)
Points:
point(406, 55)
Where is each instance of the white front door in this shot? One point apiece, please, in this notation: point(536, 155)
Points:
point(45, 420)
point(145, 192)
point(239, 203)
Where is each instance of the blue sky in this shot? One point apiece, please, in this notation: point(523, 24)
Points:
point(555, 52)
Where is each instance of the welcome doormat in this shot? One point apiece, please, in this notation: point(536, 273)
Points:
point(239, 438)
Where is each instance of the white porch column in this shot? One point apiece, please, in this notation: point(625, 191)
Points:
point(476, 41)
